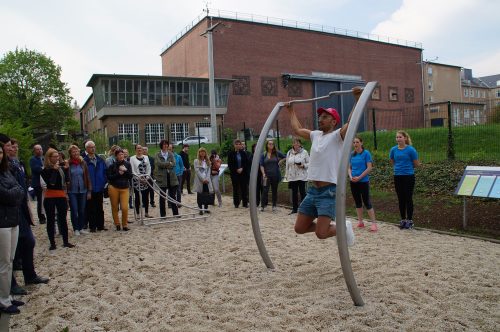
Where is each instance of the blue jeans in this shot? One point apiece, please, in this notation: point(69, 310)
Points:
point(77, 203)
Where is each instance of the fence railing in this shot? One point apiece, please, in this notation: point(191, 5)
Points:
point(471, 136)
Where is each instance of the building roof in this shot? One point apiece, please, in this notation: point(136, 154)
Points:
point(95, 77)
point(442, 64)
point(491, 81)
point(288, 24)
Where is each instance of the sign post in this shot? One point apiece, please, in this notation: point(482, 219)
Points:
point(478, 181)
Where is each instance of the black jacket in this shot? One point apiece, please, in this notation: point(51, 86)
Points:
point(233, 163)
point(11, 197)
point(116, 179)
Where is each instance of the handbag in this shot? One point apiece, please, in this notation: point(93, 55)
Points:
point(205, 197)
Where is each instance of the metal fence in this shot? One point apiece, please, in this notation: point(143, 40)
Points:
point(450, 131)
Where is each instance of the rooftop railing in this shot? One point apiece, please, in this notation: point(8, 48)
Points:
point(217, 13)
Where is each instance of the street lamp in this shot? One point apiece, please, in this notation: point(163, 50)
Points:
point(211, 81)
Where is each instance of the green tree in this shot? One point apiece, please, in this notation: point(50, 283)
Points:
point(22, 134)
point(31, 91)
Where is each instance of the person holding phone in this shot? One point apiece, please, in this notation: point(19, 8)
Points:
point(297, 162)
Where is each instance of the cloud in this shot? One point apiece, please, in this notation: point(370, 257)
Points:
point(448, 29)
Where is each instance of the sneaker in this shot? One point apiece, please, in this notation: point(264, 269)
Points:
point(77, 233)
point(148, 216)
point(360, 224)
point(349, 233)
point(373, 227)
point(261, 209)
point(126, 229)
point(83, 231)
point(274, 209)
point(10, 310)
point(68, 245)
point(118, 228)
point(17, 303)
point(36, 280)
point(409, 224)
point(402, 224)
point(52, 247)
point(220, 205)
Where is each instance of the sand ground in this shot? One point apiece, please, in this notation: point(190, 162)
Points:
point(207, 275)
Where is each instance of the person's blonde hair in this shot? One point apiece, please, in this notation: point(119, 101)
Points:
point(406, 136)
point(46, 162)
point(72, 148)
point(206, 155)
point(112, 150)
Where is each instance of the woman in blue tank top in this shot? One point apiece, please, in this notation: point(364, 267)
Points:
point(404, 158)
point(361, 166)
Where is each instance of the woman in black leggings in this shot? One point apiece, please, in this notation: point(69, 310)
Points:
point(404, 158)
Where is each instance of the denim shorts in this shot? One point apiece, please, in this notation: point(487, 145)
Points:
point(319, 201)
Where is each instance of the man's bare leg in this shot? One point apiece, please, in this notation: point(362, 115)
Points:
point(304, 224)
point(324, 228)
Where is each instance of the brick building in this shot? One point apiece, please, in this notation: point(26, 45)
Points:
point(147, 109)
point(279, 61)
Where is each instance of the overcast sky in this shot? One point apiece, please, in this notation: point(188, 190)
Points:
point(127, 37)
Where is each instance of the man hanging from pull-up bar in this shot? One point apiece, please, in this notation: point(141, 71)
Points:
point(322, 173)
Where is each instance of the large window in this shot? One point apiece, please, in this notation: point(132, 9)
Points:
point(128, 131)
point(155, 132)
point(178, 131)
point(124, 92)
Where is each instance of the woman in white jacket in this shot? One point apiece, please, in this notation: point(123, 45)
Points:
point(202, 181)
point(297, 162)
point(141, 166)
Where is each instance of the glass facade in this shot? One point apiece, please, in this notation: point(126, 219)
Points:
point(142, 92)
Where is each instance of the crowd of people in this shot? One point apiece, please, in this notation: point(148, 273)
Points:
point(81, 181)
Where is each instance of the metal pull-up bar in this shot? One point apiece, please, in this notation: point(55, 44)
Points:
point(341, 184)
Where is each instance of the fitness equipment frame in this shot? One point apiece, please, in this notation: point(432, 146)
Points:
point(341, 184)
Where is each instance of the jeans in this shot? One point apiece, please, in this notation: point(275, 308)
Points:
point(8, 243)
point(215, 184)
point(77, 202)
point(179, 188)
point(145, 200)
point(51, 204)
point(297, 186)
point(186, 178)
point(95, 211)
point(273, 183)
point(26, 246)
point(39, 203)
point(172, 193)
point(240, 189)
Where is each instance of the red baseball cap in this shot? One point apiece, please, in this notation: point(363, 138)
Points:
point(332, 111)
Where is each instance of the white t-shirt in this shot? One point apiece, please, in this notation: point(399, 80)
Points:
point(325, 156)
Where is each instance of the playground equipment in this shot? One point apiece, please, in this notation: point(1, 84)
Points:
point(341, 184)
point(139, 182)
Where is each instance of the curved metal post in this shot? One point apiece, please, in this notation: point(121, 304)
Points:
point(341, 194)
point(255, 168)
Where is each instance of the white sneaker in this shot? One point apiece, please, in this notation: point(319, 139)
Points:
point(83, 231)
point(77, 233)
point(349, 233)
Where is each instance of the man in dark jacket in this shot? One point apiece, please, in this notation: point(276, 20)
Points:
point(238, 166)
point(97, 174)
point(36, 165)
